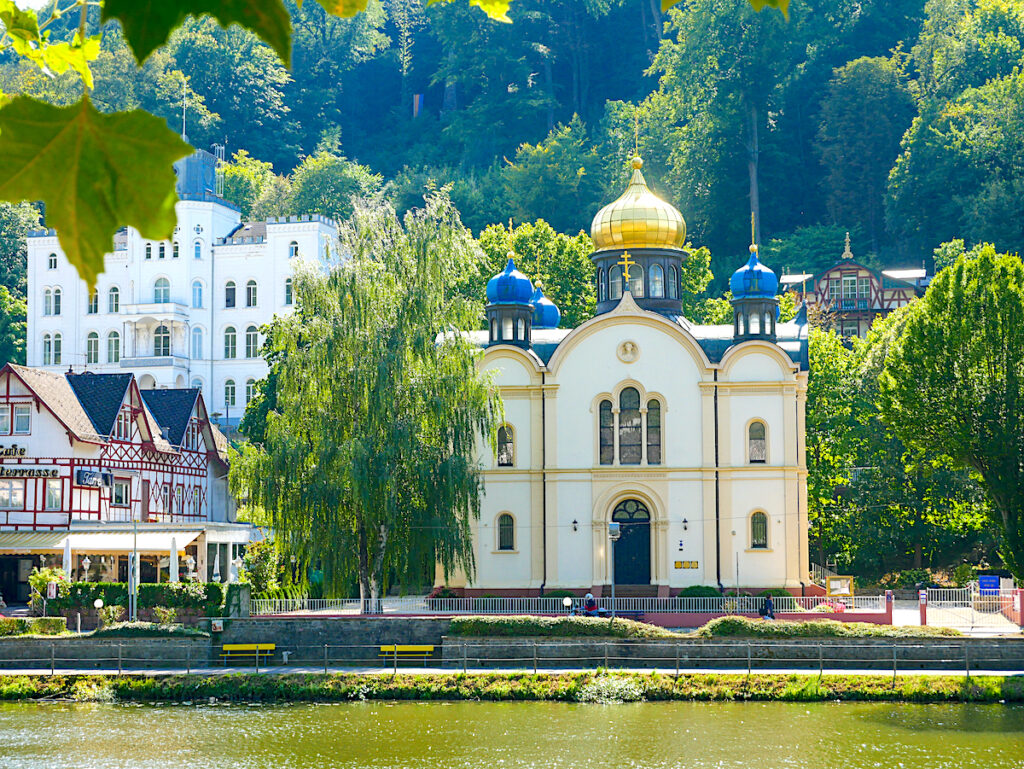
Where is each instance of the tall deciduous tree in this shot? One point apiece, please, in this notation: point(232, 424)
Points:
point(12, 328)
point(954, 381)
point(368, 463)
point(326, 183)
point(866, 111)
point(15, 222)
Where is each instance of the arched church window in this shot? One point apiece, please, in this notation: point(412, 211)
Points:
point(615, 282)
point(673, 283)
point(506, 446)
point(759, 531)
point(754, 323)
point(494, 330)
point(602, 287)
point(757, 445)
point(162, 341)
point(521, 329)
point(630, 439)
point(657, 281)
point(506, 532)
point(506, 329)
point(653, 432)
point(606, 433)
point(636, 281)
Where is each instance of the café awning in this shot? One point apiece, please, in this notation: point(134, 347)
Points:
point(125, 541)
point(19, 542)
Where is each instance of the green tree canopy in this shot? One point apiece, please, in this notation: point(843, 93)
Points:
point(368, 464)
point(326, 183)
point(953, 381)
point(13, 313)
point(16, 220)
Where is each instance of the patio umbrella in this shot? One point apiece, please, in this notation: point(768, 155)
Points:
point(216, 565)
point(66, 563)
point(173, 563)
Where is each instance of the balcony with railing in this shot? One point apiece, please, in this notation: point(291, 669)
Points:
point(157, 310)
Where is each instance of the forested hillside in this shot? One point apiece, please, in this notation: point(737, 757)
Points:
point(898, 120)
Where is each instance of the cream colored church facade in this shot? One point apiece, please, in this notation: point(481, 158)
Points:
point(691, 437)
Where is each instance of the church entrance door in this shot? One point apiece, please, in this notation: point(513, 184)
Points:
point(633, 550)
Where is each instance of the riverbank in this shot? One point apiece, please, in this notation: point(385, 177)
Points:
point(595, 686)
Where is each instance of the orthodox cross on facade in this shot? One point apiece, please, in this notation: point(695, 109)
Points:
point(626, 263)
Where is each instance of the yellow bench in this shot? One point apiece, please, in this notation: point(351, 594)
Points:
point(231, 651)
point(395, 652)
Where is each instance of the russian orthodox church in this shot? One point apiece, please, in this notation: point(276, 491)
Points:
point(690, 437)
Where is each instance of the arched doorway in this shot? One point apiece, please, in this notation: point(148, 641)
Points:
point(633, 550)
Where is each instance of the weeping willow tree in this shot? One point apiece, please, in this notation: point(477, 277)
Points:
point(364, 457)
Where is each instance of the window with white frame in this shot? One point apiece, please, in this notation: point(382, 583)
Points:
point(673, 283)
point(288, 291)
point(250, 294)
point(51, 262)
point(47, 350)
point(252, 342)
point(162, 341)
point(657, 281)
point(149, 250)
point(47, 302)
point(22, 418)
point(197, 343)
point(92, 347)
point(57, 345)
point(179, 493)
point(165, 497)
point(121, 494)
point(56, 301)
point(12, 494)
point(113, 347)
point(197, 294)
point(197, 500)
point(123, 425)
point(229, 294)
point(230, 342)
point(162, 291)
point(293, 250)
point(229, 392)
point(250, 390)
point(94, 303)
point(197, 249)
point(175, 250)
point(54, 494)
point(163, 250)
point(5, 419)
point(113, 300)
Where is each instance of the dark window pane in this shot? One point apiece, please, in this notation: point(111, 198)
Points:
point(607, 436)
point(505, 447)
point(630, 438)
point(653, 433)
point(506, 532)
point(759, 530)
point(758, 446)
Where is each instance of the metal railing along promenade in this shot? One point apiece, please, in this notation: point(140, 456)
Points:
point(464, 655)
point(418, 605)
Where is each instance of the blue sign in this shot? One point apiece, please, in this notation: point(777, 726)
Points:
point(988, 585)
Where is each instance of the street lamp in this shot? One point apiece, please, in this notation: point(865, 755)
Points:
point(567, 603)
point(614, 532)
point(86, 563)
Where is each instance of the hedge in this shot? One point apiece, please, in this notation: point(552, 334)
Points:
point(699, 591)
point(145, 630)
point(207, 597)
point(554, 627)
point(744, 627)
point(14, 626)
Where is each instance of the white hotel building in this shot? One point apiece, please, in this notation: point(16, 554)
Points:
point(179, 313)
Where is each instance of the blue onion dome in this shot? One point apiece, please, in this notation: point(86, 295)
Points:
point(545, 312)
point(753, 279)
point(509, 286)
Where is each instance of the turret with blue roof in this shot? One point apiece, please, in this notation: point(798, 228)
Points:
point(545, 312)
point(509, 307)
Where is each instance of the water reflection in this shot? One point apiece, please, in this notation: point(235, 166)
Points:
point(512, 736)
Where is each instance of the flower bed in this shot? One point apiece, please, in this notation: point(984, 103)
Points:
point(16, 626)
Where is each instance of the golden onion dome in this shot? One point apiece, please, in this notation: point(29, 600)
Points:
point(638, 219)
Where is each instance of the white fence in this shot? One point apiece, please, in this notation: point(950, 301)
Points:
point(970, 608)
point(505, 606)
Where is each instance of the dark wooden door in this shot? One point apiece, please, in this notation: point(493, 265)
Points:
point(633, 550)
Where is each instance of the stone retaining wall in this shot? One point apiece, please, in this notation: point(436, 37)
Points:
point(867, 653)
point(98, 653)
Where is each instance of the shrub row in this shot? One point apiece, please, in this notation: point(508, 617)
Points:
point(570, 687)
point(554, 627)
point(206, 597)
point(145, 630)
point(744, 627)
point(11, 626)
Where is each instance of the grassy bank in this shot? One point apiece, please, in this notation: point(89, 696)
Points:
point(564, 687)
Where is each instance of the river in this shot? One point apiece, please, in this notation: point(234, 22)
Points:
point(511, 736)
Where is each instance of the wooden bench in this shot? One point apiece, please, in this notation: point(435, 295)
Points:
point(257, 650)
point(395, 652)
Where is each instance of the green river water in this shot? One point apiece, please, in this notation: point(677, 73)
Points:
point(512, 735)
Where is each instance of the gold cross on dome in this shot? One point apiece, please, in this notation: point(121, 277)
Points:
point(626, 263)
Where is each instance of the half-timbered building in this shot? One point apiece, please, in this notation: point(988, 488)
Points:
point(94, 462)
point(856, 294)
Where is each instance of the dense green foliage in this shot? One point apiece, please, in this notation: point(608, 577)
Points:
point(21, 626)
point(365, 463)
point(207, 597)
point(554, 627)
point(145, 630)
point(510, 687)
point(743, 627)
point(953, 382)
